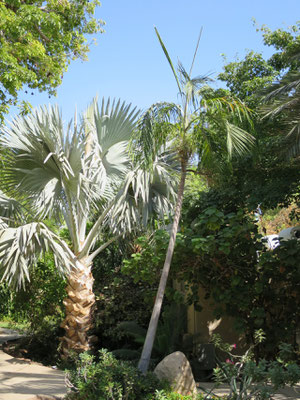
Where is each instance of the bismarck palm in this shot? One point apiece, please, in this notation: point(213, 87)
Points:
point(74, 176)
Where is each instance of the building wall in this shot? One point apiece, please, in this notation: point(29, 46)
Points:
point(202, 325)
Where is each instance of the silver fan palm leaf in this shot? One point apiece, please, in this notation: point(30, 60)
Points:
point(21, 247)
point(11, 210)
point(145, 193)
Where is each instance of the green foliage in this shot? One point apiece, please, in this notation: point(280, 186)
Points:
point(40, 301)
point(218, 249)
point(6, 301)
point(266, 175)
point(118, 297)
point(258, 293)
point(40, 306)
point(38, 41)
point(145, 264)
point(149, 248)
point(283, 101)
point(248, 379)
point(109, 379)
point(170, 330)
point(287, 44)
point(247, 77)
point(164, 395)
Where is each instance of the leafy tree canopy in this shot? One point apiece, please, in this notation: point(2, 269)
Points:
point(246, 78)
point(38, 39)
point(270, 175)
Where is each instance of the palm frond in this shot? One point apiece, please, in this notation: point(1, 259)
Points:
point(196, 50)
point(145, 193)
point(238, 140)
point(227, 106)
point(153, 131)
point(37, 163)
point(191, 86)
point(10, 209)
point(21, 247)
point(283, 100)
point(293, 140)
point(48, 163)
point(290, 82)
point(112, 125)
point(169, 59)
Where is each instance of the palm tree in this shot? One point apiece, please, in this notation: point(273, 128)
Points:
point(76, 176)
point(187, 124)
point(283, 100)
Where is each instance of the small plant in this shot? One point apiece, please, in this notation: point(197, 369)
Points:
point(163, 395)
point(248, 379)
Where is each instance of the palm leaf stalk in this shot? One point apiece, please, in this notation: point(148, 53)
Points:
point(182, 124)
point(74, 176)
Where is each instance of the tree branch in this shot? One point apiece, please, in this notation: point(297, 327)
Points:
point(42, 34)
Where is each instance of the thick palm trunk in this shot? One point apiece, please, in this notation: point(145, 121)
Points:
point(148, 345)
point(78, 305)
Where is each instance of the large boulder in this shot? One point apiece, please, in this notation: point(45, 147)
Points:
point(176, 369)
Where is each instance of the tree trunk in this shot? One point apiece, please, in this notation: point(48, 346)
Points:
point(151, 332)
point(78, 305)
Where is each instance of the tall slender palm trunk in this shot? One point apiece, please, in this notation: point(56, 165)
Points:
point(78, 305)
point(151, 332)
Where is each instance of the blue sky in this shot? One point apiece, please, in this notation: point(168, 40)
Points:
point(128, 62)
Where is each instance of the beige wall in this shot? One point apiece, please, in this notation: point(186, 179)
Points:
point(203, 324)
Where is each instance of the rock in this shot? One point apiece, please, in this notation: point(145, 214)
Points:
point(176, 369)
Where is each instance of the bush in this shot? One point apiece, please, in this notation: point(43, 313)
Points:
point(109, 379)
point(112, 379)
point(118, 297)
point(223, 253)
point(40, 301)
point(40, 306)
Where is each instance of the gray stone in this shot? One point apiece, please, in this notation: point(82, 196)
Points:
point(176, 369)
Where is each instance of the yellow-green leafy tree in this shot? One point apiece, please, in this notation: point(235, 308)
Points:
point(38, 39)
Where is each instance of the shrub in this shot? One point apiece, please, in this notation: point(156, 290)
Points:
point(118, 297)
point(40, 301)
point(109, 379)
point(223, 253)
point(112, 379)
point(40, 306)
